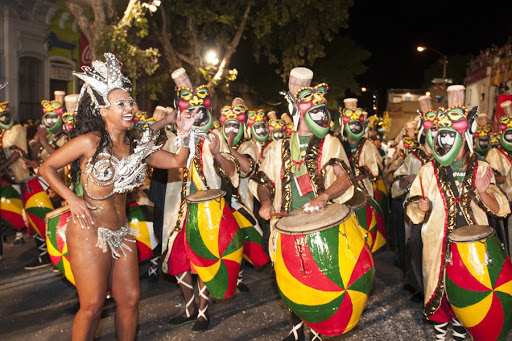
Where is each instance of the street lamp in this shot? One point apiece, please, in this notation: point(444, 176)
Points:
point(445, 59)
point(211, 57)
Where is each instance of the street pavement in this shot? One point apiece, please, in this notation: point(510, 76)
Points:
point(41, 304)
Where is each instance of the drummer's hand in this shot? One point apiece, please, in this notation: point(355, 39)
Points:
point(424, 205)
point(30, 163)
point(483, 181)
point(41, 132)
point(80, 212)
point(266, 210)
point(231, 137)
point(214, 145)
point(316, 204)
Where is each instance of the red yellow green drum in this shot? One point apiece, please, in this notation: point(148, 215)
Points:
point(252, 236)
point(11, 205)
point(56, 226)
point(380, 194)
point(139, 212)
point(213, 241)
point(478, 281)
point(37, 204)
point(324, 268)
point(371, 220)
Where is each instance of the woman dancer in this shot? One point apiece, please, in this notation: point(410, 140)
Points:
point(109, 163)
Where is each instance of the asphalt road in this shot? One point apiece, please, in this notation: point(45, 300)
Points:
point(40, 305)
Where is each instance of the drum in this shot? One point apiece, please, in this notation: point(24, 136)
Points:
point(324, 268)
point(478, 280)
point(56, 226)
point(252, 235)
point(213, 241)
point(11, 205)
point(139, 212)
point(368, 216)
point(37, 203)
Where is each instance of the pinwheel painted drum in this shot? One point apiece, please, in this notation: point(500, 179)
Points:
point(380, 193)
point(56, 227)
point(139, 213)
point(364, 215)
point(478, 280)
point(11, 205)
point(252, 235)
point(213, 241)
point(324, 268)
point(37, 203)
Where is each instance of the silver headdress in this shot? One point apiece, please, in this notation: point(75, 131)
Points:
point(103, 78)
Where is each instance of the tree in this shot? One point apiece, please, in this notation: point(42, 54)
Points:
point(106, 32)
point(287, 33)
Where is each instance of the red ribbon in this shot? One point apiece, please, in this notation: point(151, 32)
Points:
point(298, 163)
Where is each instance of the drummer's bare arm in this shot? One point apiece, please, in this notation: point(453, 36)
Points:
point(10, 161)
point(245, 164)
point(69, 152)
point(266, 202)
point(482, 183)
point(337, 188)
point(227, 165)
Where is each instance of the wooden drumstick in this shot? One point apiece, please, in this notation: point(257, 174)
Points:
point(279, 214)
point(422, 192)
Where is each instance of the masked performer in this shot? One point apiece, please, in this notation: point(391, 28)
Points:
point(454, 190)
point(305, 169)
point(483, 136)
point(242, 201)
point(418, 153)
point(500, 159)
point(13, 140)
point(276, 127)
point(366, 163)
point(259, 131)
point(110, 163)
point(212, 163)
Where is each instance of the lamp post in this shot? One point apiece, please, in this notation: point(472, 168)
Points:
point(445, 59)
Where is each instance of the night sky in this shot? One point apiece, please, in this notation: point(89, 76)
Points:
point(391, 30)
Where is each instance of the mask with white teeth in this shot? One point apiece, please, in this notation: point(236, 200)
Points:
point(6, 121)
point(506, 131)
point(452, 124)
point(235, 126)
point(197, 98)
point(313, 108)
point(52, 117)
point(482, 139)
point(353, 123)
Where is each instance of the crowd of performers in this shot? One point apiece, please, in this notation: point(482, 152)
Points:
point(216, 187)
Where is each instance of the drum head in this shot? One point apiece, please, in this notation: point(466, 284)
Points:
point(358, 200)
point(206, 195)
point(298, 222)
point(471, 233)
point(56, 212)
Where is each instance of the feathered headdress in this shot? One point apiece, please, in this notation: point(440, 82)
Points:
point(103, 78)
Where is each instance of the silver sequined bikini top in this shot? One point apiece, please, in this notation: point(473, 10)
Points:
point(125, 174)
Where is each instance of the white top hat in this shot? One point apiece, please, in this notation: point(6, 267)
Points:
point(237, 101)
point(71, 102)
point(425, 103)
point(456, 94)
point(181, 79)
point(350, 103)
point(411, 125)
point(299, 77)
point(59, 95)
point(507, 107)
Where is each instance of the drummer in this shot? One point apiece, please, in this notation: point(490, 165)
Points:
point(305, 169)
point(211, 165)
point(454, 190)
point(13, 148)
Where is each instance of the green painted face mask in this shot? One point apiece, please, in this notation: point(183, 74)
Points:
point(6, 121)
point(260, 131)
point(205, 120)
point(318, 119)
point(235, 126)
point(448, 143)
point(354, 129)
point(53, 122)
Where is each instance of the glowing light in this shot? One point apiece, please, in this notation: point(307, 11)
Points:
point(421, 48)
point(363, 89)
point(427, 93)
point(211, 57)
